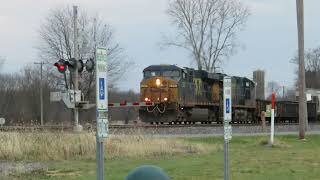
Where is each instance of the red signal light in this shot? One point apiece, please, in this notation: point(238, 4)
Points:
point(61, 66)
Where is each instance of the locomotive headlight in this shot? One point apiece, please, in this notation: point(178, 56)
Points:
point(158, 82)
point(165, 99)
point(146, 99)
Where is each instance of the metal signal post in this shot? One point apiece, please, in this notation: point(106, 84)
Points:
point(101, 108)
point(227, 116)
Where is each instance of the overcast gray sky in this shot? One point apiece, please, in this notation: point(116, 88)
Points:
point(268, 42)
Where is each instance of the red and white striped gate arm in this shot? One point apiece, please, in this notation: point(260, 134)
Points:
point(130, 104)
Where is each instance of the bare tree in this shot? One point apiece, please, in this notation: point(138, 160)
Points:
point(18, 94)
point(56, 43)
point(2, 60)
point(207, 28)
point(312, 67)
point(312, 59)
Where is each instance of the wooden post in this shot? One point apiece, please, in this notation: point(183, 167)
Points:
point(301, 79)
point(263, 121)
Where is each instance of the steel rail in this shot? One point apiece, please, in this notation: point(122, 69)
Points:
point(128, 126)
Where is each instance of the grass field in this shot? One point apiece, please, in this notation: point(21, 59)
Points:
point(187, 159)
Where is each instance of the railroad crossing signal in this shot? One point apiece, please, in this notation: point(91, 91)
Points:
point(89, 65)
point(72, 65)
point(61, 66)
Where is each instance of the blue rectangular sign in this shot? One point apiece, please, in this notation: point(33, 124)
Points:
point(227, 105)
point(101, 89)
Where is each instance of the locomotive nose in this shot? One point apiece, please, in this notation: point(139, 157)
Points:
point(157, 90)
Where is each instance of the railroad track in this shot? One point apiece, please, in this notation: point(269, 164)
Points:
point(125, 126)
point(35, 128)
point(186, 125)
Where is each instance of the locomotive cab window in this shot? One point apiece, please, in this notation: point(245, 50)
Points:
point(148, 74)
point(173, 74)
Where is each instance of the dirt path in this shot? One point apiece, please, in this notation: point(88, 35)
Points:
point(9, 167)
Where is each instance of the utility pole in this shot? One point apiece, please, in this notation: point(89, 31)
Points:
point(76, 75)
point(41, 93)
point(301, 79)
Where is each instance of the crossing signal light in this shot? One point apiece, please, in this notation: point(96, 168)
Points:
point(80, 65)
point(61, 66)
point(90, 65)
point(73, 64)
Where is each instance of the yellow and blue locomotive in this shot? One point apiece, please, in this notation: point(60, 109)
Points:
point(186, 95)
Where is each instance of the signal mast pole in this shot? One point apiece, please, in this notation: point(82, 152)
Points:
point(302, 84)
point(76, 56)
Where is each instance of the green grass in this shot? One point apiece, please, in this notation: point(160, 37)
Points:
point(250, 158)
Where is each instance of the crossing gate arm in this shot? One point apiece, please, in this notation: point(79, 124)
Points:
point(130, 104)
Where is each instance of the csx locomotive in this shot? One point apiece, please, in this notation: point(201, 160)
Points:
point(186, 95)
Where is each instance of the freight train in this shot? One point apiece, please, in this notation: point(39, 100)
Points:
point(186, 96)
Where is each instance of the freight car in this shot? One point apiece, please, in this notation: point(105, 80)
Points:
point(287, 111)
point(186, 95)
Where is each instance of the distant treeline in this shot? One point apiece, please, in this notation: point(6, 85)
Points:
point(20, 100)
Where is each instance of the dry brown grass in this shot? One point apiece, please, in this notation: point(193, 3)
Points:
point(62, 146)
